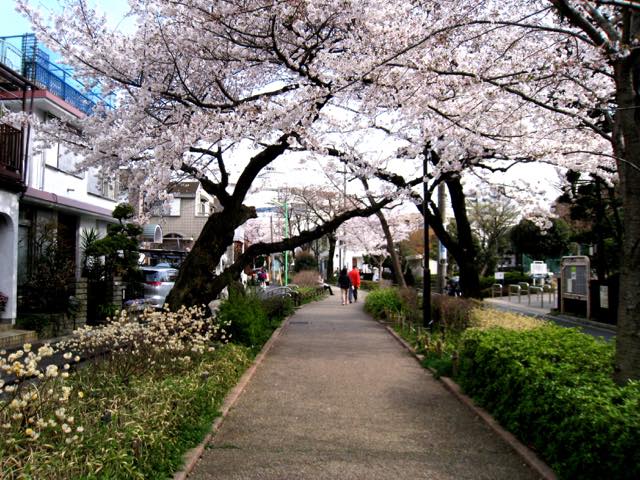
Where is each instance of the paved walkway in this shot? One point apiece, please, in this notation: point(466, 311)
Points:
point(338, 398)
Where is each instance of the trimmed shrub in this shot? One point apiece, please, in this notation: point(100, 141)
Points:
point(310, 294)
point(453, 314)
point(369, 285)
point(380, 303)
point(307, 278)
point(276, 309)
point(249, 322)
point(410, 307)
point(552, 387)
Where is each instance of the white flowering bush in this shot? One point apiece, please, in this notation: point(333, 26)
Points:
point(154, 341)
point(123, 413)
point(34, 398)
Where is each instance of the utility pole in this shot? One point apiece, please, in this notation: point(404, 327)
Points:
point(272, 272)
point(341, 244)
point(286, 235)
point(442, 252)
point(426, 276)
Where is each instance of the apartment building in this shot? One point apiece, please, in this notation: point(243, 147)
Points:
point(42, 195)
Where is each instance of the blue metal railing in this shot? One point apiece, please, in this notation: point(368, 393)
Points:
point(34, 64)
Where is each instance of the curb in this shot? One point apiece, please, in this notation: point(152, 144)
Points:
point(528, 455)
point(192, 456)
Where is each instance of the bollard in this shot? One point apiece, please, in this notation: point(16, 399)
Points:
point(514, 289)
point(539, 293)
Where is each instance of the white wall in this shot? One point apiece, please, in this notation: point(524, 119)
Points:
point(9, 253)
point(43, 174)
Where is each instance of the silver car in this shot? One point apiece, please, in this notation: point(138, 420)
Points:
point(158, 282)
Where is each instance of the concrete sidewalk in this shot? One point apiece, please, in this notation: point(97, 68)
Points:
point(338, 398)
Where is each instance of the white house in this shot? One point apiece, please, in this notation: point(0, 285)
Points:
point(40, 187)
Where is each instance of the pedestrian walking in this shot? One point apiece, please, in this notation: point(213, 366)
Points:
point(344, 283)
point(262, 277)
point(354, 277)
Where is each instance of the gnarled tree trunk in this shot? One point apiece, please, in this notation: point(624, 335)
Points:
point(627, 133)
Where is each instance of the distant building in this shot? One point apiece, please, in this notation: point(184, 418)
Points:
point(183, 219)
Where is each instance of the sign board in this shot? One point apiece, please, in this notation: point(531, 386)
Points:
point(575, 273)
point(604, 296)
point(538, 267)
point(499, 276)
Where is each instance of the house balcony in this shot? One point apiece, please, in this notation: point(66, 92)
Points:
point(11, 158)
point(23, 54)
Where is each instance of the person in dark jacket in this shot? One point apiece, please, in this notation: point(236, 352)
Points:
point(345, 284)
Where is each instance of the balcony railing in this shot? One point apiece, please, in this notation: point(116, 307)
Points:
point(22, 54)
point(11, 156)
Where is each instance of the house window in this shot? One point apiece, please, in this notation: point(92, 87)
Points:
point(107, 186)
point(60, 157)
point(203, 208)
point(173, 209)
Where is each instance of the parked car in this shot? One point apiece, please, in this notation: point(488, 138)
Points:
point(158, 282)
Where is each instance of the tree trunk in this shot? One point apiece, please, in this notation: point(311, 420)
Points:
point(627, 358)
point(195, 284)
point(466, 255)
point(332, 251)
point(395, 261)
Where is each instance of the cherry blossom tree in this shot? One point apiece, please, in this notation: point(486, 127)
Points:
point(573, 64)
point(555, 80)
point(195, 81)
point(470, 87)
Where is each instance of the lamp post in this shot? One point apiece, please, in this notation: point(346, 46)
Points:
point(426, 274)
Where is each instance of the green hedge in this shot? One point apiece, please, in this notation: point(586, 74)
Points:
point(369, 285)
point(552, 388)
point(382, 301)
point(248, 317)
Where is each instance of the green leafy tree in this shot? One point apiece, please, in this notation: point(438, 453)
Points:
point(593, 209)
point(491, 221)
point(305, 260)
point(528, 238)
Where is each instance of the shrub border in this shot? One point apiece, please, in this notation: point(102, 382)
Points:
point(528, 455)
point(192, 456)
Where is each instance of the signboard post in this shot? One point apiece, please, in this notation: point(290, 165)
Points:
point(575, 273)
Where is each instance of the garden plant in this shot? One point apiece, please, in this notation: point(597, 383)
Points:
point(150, 391)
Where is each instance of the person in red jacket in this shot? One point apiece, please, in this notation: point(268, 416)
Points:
point(354, 276)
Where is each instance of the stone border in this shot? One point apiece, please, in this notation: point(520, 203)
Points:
point(528, 455)
point(192, 456)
